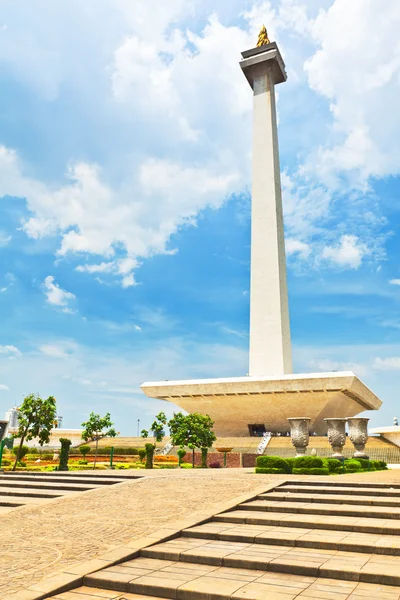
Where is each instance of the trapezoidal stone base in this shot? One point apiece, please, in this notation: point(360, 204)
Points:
point(235, 403)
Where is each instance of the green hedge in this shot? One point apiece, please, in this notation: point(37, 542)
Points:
point(315, 465)
point(312, 471)
point(271, 471)
point(273, 462)
point(308, 462)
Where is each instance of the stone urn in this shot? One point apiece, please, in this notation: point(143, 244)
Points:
point(225, 451)
point(337, 436)
point(300, 433)
point(358, 433)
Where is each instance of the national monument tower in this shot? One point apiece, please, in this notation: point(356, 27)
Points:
point(270, 394)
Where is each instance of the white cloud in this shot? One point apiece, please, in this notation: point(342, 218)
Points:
point(327, 365)
point(297, 247)
point(55, 295)
point(4, 387)
point(196, 125)
point(60, 349)
point(362, 86)
point(387, 364)
point(394, 282)
point(5, 239)
point(348, 253)
point(11, 351)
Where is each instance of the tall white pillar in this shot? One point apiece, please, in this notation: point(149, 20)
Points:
point(270, 347)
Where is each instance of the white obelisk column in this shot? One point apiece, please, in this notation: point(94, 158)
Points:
point(270, 347)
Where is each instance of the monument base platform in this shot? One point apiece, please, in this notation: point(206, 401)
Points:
point(238, 404)
point(391, 433)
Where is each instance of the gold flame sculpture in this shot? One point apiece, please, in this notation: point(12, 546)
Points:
point(263, 39)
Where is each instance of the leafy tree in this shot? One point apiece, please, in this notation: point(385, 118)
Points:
point(157, 429)
point(64, 454)
point(84, 449)
point(193, 431)
point(36, 417)
point(96, 428)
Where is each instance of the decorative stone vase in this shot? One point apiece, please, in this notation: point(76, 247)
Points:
point(336, 436)
point(358, 433)
point(300, 433)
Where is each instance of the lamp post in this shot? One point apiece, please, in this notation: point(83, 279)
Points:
point(3, 429)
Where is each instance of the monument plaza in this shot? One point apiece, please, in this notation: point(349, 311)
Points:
point(271, 393)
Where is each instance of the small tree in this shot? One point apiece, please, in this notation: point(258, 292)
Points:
point(84, 449)
point(96, 428)
point(142, 453)
point(36, 417)
point(64, 454)
point(157, 429)
point(193, 431)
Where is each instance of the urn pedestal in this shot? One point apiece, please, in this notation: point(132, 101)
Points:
point(300, 433)
point(358, 434)
point(337, 436)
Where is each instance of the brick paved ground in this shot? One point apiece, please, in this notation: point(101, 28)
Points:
point(38, 541)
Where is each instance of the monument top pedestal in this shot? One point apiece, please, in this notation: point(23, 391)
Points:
point(261, 56)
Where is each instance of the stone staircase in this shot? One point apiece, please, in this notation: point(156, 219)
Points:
point(19, 489)
point(318, 540)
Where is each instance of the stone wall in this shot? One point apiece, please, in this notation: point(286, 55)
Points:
point(233, 459)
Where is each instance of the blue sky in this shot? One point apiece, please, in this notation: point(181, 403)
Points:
point(125, 149)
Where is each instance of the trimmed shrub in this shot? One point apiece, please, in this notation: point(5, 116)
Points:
point(204, 452)
point(213, 465)
point(149, 455)
point(65, 446)
point(85, 449)
point(272, 462)
point(352, 465)
point(142, 454)
point(82, 462)
point(312, 471)
point(181, 454)
point(333, 464)
point(271, 471)
point(290, 462)
point(5, 462)
point(379, 465)
point(308, 462)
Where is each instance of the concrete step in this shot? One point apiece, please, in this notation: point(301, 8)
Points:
point(31, 493)
point(88, 593)
point(189, 581)
point(311, 521)
point(90, 480)
point(344, 565)
point(14, 501)
point(325, 539)
point(54, 485)
point(332, 498)
point(75, 474)
point(321, 481)
point(392, 492)
point(312, 508)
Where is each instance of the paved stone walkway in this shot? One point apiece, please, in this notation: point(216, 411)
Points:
point(45, 539)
